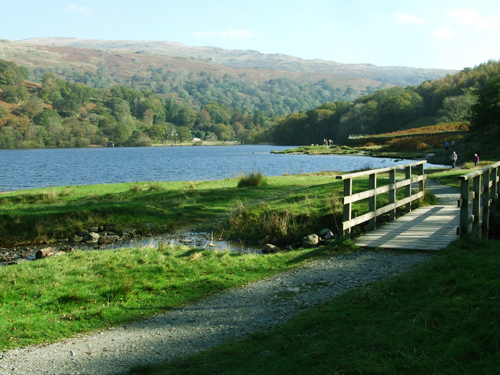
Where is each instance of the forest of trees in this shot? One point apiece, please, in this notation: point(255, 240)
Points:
point(67, 113)
point(274, 97)
point(449, 99)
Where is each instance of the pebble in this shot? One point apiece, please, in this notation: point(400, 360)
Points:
point(213, 320)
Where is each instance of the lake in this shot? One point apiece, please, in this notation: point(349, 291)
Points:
point(41, 168)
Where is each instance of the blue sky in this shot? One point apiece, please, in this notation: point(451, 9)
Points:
point(424, 34)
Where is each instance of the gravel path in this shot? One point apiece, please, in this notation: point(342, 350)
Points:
point(211, 321)
point(444, 194)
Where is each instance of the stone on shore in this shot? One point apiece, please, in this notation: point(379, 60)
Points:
point(104, 240)
point(270, 249)
point(310, 240)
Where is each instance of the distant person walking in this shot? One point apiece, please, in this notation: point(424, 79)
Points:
point(452, 144)
point(446, 145)
point(454, 158)
point(476, 160)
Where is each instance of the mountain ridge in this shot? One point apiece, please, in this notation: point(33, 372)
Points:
point(398, 75)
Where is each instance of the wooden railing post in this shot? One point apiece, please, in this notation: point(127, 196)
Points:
point(476, 204)
point(347, 206)
point(392, 193)
point(408, 188)
point(421, 184)
point(372, 204)
point(464, 207)
point(494, 187)
point(486, 204)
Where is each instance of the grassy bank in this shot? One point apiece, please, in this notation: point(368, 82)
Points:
point(442, 318)
point(321, 150)
point(33, 216)
point(286, 207)
point(54, 298)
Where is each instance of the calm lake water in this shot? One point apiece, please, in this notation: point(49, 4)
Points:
point(41, 168)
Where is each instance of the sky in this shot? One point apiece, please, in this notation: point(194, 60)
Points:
point(446, 34)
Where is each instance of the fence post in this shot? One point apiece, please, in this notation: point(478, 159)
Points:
point(347, 207)
point(476, 204)
point(372, 204)
point(494, 187)
point(486, 204)
point(464, 207)
point(421, 184)
point(392, 193)
point(408, 188)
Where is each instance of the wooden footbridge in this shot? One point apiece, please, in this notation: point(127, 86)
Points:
point(425, 228)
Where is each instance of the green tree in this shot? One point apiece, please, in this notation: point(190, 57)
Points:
point(120, 110)
point(31, 107)
point(223, 132)
point(3, 111)
point(46, 117)
point(183, 133)
point(15, 94)
point(486, 112)
point(457, 108)
point(10, 74)
point(158, 132)
point(25, 72)
point(117, 132)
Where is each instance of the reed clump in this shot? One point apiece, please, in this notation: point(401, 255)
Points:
point(252, 179)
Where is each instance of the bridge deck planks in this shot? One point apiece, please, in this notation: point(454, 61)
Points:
point(426, 228)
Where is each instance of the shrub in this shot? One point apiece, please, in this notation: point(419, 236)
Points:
point(252, 179)
point(422, 146)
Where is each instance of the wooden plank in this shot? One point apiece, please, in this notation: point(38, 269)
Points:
point(426, 228)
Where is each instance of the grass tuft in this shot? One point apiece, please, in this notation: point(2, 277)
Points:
point(135, 188)
point(252, 179)
point(155, 186)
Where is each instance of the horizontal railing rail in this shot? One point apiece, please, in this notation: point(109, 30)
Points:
point(373, 212)
point(484, 196)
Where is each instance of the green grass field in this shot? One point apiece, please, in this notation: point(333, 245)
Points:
point(53, 298)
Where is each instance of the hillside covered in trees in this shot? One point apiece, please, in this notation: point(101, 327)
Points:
point(60, 113)
point(193, 81)
point(449, 99)
point(70, 113)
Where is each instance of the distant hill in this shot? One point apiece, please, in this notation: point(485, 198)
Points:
point(124, 63)
point(396, 75)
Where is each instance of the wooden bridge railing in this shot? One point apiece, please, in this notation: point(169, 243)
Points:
point(349, 198)
point(485, 185)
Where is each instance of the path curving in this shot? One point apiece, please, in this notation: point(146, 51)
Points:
point(213, 320)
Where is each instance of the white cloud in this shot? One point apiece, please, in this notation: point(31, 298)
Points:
point(407, 18)
point(231, 34)
point(79, 9)
point(471, 17)
point(444, 32)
